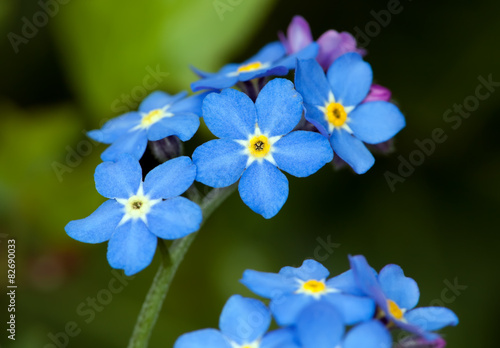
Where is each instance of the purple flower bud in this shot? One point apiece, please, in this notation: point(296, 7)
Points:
point(333, 44)
point(419, 342)
point(166, 148)
point(298, 35)
point(378, 93)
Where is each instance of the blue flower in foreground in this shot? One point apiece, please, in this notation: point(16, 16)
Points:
point(293, 289)
point(320, 326)
point(256, 140)
point(334, 105)
point(397, 295)
point(243, 324)
point(271, 60)
point(138, 212)
point(160, 115)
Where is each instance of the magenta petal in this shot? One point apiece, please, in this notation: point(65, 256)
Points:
point(298, 34)
point(333, 44)
point(378, 93)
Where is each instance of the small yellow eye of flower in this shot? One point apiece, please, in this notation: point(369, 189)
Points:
point(250, 67)
point(335, 114)
point(394, 310)
point(152, 117)
point(259, 146)
point(314, 286)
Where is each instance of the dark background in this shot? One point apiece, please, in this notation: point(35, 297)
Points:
point(440, 224)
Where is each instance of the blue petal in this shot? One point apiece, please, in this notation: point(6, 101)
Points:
point(268, 285)
point(191, 104)
point(367, 280)
point(279, 108)
point(353, 309)
point(308, 52)
point(350, 78)
point(230, 114)
point(273, 71)
point(115, 128)
point(371, 334)
point(133, 143)
point(269, 53)
point(220, 162)
point(310, 269)
point(376, 122)
point(286, 308)
point(159, 99)
point(398, 288)
point(218, 81)
point(131, 247)
point(352, 151)
point(99, 226)
point(174, 218)
point(183, 125)
point(320, 326)
point(244, 320)
point(281, 338)
point(431, 318)
point(207, 338)
point(346, 283)
point(311, 82)
point(302, 153)
point(120, 179)
point(201, 73)
point(317, 118)
point(264, 188)
point(170, 179)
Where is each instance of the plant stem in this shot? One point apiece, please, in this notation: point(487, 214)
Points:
point(171, 259)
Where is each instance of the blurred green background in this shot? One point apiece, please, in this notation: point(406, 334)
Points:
point(88, 60)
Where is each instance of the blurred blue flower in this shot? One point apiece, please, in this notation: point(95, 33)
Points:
point(256, 140)
point(293, 289)
point(138, 212)
point(334, 104)
point(271, 60)
point(243, 324)
point(320, 326)
point(396, 296)
point(160, 115)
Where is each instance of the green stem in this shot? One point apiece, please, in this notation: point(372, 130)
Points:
point(171, 259)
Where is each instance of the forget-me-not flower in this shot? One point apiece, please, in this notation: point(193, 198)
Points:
point(271, 60)
point(138, 212)
point(243, 324)
point(160, 115)
point(256, 141)
point(397, 295)
point(334, 104)
point(293, 289)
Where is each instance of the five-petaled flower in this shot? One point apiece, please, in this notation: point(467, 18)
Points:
point(243, 324)
point(334, 104)
point(138, 212)
point(160, 115)
point(271, 60)
point(396, 297)
point(293, 289)
point(256, 140)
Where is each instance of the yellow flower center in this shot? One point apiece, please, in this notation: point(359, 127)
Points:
point(259, 146)
point(394, 310)
point(314, 286)
point(152, 117)
point(250, 67)
point(335, 114)
point(137, 206)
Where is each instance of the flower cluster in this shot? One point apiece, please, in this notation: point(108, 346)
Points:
point(358, 308)
point(264, 127)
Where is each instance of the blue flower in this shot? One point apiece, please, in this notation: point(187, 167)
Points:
point(397, 295)
point(243, 324)
point(256, 140)
point(271, 60)
point(334, 105)
point(160, 115)
point(293, 289)
point(320, 326)
point(138, 212)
